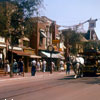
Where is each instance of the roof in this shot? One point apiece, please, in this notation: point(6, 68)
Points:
point(83, 39)
point(21, 53)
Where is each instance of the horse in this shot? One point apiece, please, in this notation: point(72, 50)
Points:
point(77, 65)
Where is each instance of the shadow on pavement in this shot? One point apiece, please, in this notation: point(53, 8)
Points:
point(70, 77)
point(86, 80)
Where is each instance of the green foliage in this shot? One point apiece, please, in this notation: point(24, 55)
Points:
point(3, 19)
point(14, 13)
point(30, 7)
point(92, 44)
point(14, 40)
point(72, 38)
point(28, 27)
point(2, 24)
point(73, 50)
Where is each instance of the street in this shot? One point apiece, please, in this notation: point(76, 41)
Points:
point(56, 86)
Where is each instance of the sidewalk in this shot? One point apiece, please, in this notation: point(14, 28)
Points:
point(27, 75)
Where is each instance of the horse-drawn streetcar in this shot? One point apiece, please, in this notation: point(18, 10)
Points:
point(91, 62)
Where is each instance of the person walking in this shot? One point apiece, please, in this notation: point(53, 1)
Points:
point(61, 65)
point(8, 67)
point(33, 69)
point(20, 66)
point(1, 63)
point(38, 66)
point(44, 65)
point(68, 67)
point(15, 67)
point(65, 66)
point(41, 65)
point(52, 67)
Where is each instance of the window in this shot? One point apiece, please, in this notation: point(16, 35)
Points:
point(42, 35)
point(26, 43)
point(41, 41)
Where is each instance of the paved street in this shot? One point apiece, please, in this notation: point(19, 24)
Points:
point(56, 86)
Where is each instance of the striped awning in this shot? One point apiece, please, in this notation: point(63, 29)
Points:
point(54, 55)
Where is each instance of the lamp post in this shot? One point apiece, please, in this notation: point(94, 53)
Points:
point(50, 49)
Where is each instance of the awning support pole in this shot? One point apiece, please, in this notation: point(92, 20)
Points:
point(50, 62)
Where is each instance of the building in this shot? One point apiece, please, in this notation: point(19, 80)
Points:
point(46, 33)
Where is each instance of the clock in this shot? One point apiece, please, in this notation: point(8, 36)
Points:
point(50, 48)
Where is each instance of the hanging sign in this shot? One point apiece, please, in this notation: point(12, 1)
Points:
point(92, 23)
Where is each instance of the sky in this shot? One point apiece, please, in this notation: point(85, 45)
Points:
point(72, 12)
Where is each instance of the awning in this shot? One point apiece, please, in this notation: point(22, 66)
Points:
point(25, 38)
point(21, 53)
point(54, 55)
point(35, 56)
point(42, 34)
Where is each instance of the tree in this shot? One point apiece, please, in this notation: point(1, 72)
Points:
point(29, 7)
point(13, 14)
point(71, 39)
point(92, 44)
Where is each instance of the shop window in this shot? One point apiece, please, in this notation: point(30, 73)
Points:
point(26, 43)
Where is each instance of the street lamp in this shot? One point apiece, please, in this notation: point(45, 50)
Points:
point(50, 49)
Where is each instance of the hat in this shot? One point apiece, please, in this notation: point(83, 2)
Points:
point(78, 55)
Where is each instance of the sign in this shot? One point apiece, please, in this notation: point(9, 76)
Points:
point(55, 41)
point(55, 48)
point(92, 23)
point(60, 49)
point(29, 51)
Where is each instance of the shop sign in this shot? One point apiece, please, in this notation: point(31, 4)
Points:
point(29, 51)
point(55, 41)
point(60, 50)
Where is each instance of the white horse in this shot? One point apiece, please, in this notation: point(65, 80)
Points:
point(78, 63)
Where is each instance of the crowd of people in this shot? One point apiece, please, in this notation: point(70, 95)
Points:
point(65, 66)
point(36, 66)
point(17, 67)
point(42, 66)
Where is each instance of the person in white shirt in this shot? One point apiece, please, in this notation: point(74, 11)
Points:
point(38, 66)
point(52, 66)
point(61, 65)
point(33, 69)
point(41, 65)
point(44, 65)
point(79, 66)
point(8, 67)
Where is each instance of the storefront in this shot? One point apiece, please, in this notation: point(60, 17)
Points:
point(2, 52)
point(56, 57)
point(2, 56)
point(26, 56)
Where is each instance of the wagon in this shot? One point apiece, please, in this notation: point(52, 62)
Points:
point(92, 62)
